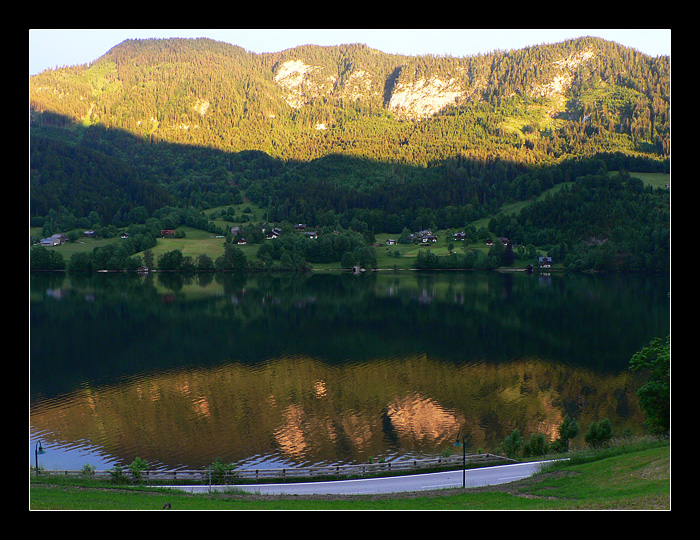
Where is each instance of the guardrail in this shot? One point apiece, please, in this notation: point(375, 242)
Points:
point(361, 469)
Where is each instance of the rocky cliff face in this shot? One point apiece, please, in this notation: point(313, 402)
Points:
point(301, 82)
point(424, 97)
point(414, 98)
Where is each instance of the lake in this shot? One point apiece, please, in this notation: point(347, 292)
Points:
point(275, 371)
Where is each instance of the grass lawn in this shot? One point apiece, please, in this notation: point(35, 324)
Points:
point(195, 243)
point(654, 179)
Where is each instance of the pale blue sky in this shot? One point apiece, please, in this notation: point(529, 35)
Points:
point(50, 48)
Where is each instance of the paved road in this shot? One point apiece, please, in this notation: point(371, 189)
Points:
point(485, 476)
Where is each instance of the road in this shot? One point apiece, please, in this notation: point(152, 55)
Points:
point(485, 476)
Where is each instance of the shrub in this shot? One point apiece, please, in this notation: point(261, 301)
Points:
point(567, 430)
point(599, 434)
point(536, 446)
point(118, 476)
point(218, 471)
point(137, 467)
point(512, 443)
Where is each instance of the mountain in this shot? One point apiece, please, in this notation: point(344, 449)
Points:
point(319, 134)
point(306, 102)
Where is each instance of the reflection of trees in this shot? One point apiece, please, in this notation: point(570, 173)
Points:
point(133, 324)
point(191, 416)
point(342, 365)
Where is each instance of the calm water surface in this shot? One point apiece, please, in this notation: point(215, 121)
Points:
point(278, 371)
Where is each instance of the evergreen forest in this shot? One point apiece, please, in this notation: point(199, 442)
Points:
point(157, 132)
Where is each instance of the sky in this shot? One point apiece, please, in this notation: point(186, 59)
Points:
point(51, 48)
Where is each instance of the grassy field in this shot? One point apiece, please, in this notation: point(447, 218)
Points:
point(197, 242)
point(398, 256)
point(654, 179)
point(636, 479)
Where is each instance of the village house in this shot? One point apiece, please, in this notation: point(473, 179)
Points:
point(545, 262)
point(167, 232)
point(274, 233)
point(460, 236)
point(426, 236)
point(54, 240)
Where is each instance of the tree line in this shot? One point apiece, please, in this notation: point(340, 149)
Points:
point(600, 222)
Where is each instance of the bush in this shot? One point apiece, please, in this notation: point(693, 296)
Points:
point(41, 258)
point(137, 467)
point(118, 476)
point(512, 443)
point(218, 471)
point(88, 470)
point(599, 434)
point(536, 446)
point(567, 430)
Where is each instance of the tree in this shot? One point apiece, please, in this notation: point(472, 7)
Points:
point(508, 256)
point(426, 259)
point(348, 260)
point(170, 260)
point(365, 257)
point(599, 433)
point(41, 258)
point(148, 258)
point(233, 259)
point(80, 262)
point(205, 263)
point(536, 446)
point(496, 252)
point(655, 395)
point(512, 443)
point(137, 467)
point(568, 429)
point(219, 470)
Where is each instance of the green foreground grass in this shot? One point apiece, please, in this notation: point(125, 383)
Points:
point(631, 480)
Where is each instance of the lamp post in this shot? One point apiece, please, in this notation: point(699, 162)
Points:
point(463, 444)
point(38, 449)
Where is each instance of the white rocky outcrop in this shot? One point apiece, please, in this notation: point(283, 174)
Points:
point(302, 82)
point(413, 99)
point(423, 98)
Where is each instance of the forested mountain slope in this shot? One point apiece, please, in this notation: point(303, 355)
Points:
point(317, 133)
point(577, 97)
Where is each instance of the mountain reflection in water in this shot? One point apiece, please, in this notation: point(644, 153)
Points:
point(280, 371)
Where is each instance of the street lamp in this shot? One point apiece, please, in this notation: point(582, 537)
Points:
point(38, 449)
point(463, 444)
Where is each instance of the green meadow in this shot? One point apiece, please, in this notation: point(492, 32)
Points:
point(398, 256)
